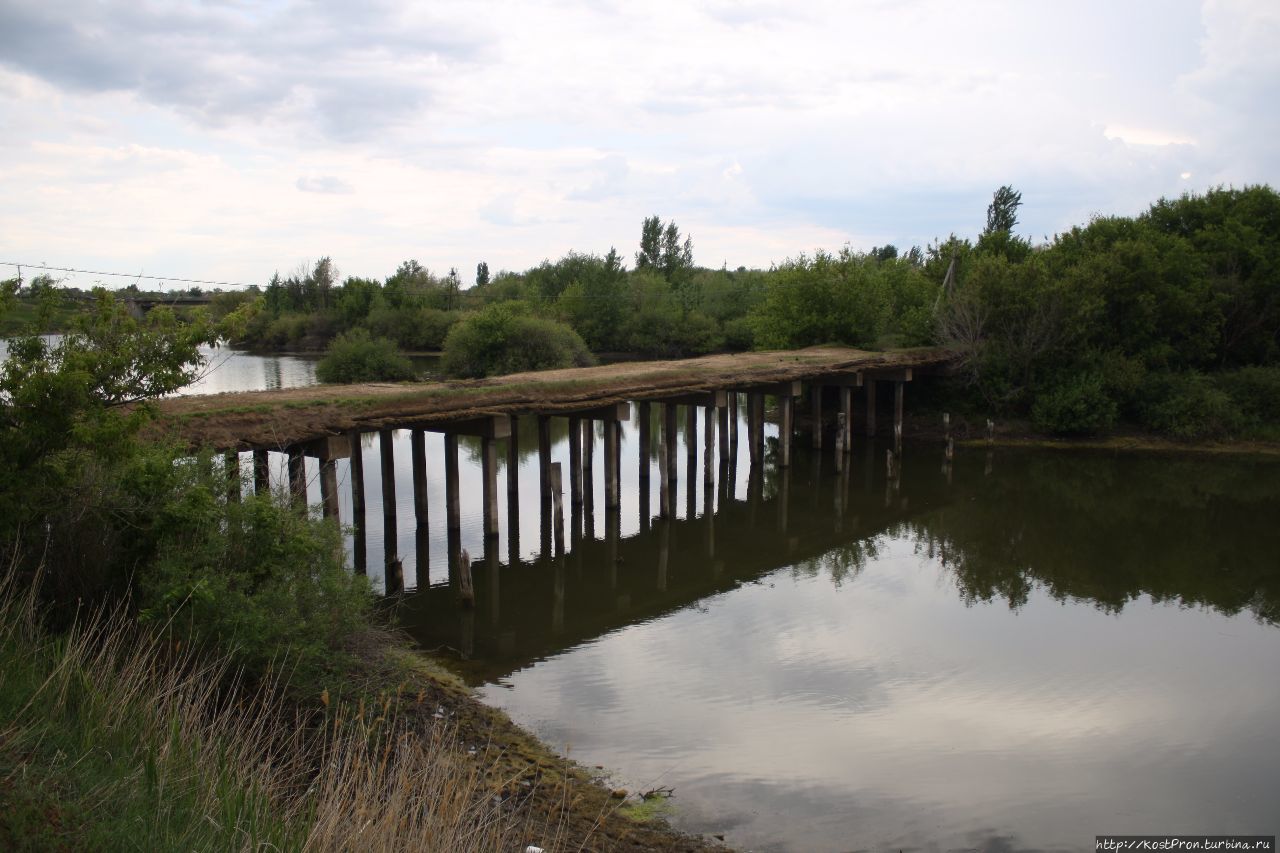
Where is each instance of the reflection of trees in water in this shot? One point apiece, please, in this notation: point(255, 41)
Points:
point(843, 562)
point(1198, 532)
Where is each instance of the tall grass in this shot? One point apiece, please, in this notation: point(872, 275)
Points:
point(112, 739)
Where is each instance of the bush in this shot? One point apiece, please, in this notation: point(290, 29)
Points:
point(1188, 406)
point(356, 357)
point(419, 328)
point(502, 339)
point(275, 589)
point(1256, 393)
point(1078, 406)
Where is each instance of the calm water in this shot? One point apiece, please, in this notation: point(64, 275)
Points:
point(1035, 649)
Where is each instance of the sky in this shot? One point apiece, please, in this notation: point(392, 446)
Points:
point(226, 140)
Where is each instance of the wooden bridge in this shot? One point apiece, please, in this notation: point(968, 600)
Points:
point(326, 422)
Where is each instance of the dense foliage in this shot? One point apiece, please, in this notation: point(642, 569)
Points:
point(356, 357)
point(502, 339)
point(1169, 320)
point(99, 513)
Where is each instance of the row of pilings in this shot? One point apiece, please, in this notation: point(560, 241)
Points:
point(723, 411)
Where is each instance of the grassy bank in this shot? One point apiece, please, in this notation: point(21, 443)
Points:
point(115, 738)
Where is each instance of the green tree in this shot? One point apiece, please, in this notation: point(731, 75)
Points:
point(650, 254)
point(482, 274)
point(1002, 213)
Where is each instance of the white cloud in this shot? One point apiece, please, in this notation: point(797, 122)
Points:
point(515, 131)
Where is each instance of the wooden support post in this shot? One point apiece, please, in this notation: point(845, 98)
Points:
point(723, 414)
point(691, 437)
point(557, 509)
point(386, 445)
point(787, 403)
point(544, 456)
point(489, 485)
point(709, 448)
point(513, 459)
point(664, 552)
point(946, 425)
point(755, 425)
point(846, 409)
point(466, 589)
point(898, 388)
point(731, 403)
point(358, 544)
point(329, 487)
point(453, 514)
point(646, 423)
point(669, 439)
point(418, 456)
point(231, 468)
point(588, 475)
point(840, 428)
point(815, 403)
point(575, 461)
point(611, 449)
point(261, 472)
point(664, 482)
point(784, 499)
point(298, 475)
point(871, 406)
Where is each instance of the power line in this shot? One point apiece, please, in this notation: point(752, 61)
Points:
point(132, 275)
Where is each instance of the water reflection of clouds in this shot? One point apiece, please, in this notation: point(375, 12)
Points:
point(890, 691)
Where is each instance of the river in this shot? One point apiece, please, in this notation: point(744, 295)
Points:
point(1019, 653)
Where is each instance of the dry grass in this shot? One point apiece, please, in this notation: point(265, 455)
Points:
point(112, 739)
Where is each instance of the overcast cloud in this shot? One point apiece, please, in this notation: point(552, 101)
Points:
point(230, 139)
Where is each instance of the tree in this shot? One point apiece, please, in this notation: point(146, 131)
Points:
point(482, 274)
point(650, 254)
point(676, 256)
point(1002, 213)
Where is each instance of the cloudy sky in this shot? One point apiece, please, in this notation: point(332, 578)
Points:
point(228, 139)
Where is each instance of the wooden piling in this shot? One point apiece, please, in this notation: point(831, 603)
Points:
point(557, 509)
point(298, 475)
point(358, 545)
point(329, 487)
point(645, 416)
point(815, 405)
point(708, 448)
point(846, 410)
point(453, 514)
point(231, 467)
point(870, 385)
point(723, 416)
point(898, 389)
point(544, 456)
point(418, 457)
point(466, 589)
point(261, 472)
point(575, 462)
point(755, 425)
point(489, 485)
point(612, 448)
point(386, 446)
point(513, 460)
point(668, 436)
point(787, 403)
point(664, 482)
point(840, 428)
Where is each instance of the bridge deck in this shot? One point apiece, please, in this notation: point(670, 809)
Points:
point(278, 418)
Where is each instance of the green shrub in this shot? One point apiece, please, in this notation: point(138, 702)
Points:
point(255, 579)
point(1188, 406)
point(1255, 391)
point(502, 339)
point(356, 357)
point(1078, 406)
point(420, 328)
point(739, 334)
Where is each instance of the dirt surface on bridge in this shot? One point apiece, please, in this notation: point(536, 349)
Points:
point(278, 418)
